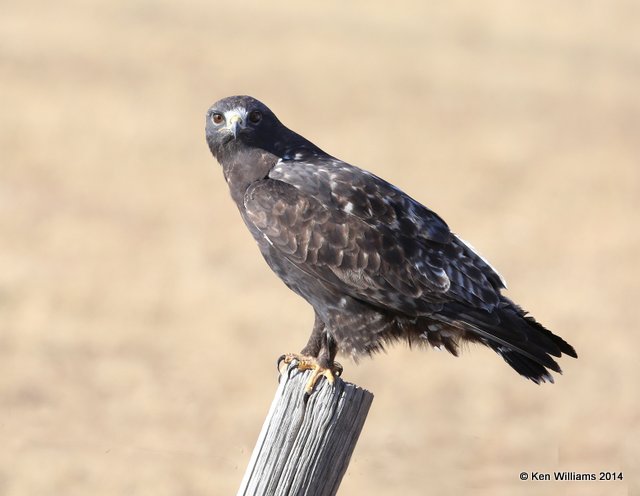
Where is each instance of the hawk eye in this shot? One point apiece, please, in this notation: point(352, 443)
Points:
point(217, 118)
point(255, 116)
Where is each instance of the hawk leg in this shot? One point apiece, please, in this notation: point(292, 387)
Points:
point(318, 356)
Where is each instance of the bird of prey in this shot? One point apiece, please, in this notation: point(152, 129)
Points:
point(376, 265)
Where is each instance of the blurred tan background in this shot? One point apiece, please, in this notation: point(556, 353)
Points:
point(139, 326)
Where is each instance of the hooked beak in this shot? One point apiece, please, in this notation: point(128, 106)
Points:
point(234, 121)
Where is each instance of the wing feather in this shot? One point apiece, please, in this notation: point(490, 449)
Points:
point(361, 235)
point(342, 250)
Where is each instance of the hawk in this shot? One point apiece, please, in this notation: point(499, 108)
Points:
point(376, 265)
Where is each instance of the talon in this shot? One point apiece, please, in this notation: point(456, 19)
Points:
point(283, 362)
point(337, 369)
point(279, 363)
point(315, 376)
point(311, 363)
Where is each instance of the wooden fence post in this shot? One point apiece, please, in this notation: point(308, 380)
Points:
point(306, 442)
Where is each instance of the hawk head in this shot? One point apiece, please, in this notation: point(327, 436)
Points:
point(239, 122)
point(247, 139)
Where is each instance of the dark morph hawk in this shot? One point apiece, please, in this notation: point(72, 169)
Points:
point(375, 264)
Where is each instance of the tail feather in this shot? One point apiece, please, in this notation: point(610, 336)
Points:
point(526, 345)
point(526, 367)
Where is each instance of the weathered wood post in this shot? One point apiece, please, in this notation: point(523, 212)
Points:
point(306, 442)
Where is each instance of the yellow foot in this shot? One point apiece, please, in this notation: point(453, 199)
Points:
point(305, 362)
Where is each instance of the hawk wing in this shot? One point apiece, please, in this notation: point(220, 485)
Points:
point(364, 237)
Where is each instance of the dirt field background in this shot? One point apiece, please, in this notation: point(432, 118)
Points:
point(139, 325)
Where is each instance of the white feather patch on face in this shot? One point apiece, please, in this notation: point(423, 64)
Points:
point(348, 207)
point(238, 114)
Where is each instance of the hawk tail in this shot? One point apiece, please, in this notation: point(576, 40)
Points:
point(525, 344)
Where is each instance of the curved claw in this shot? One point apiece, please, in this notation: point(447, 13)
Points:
point(311, 363)
point(284, 361)
point(337, 369)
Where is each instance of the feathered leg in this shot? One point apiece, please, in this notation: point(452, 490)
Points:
point(318, 356)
